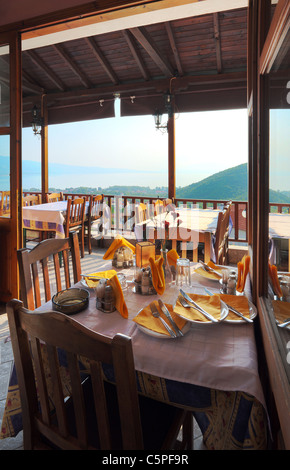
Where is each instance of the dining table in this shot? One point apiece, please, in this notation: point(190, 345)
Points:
point(184, 224)
point(211, 370)
point(279, 227)
point(48, 217)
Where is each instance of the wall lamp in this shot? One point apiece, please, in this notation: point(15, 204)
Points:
point(168, 110)
point(37, 121)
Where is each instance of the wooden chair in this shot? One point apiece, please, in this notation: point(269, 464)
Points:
point(31, 200)
point(75, 220)
point(5, 203)
point(222, 236)
point(94, 214)
point(94, 414)
point(40, 272)
point(54, 197)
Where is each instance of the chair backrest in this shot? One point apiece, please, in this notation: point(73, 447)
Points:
point(54, 197)
point(75, 214)
point(51, 266)
point(95, 207)
point(31, 200)
point(222, 235)
point(141, 212)
point(5, 202)
point(37, 361)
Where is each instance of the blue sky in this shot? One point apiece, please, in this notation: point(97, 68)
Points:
point(206, 142)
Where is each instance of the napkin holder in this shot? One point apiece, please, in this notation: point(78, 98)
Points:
point(144, 251)
point(123, 258)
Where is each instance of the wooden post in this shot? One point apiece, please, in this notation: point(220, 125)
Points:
point(171, 156)
point(44, 148)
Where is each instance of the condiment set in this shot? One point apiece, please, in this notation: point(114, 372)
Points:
point(123, 258)
point(229, 282)
point(143, 281)
point(105, 296)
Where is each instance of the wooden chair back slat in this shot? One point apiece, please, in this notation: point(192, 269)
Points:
point(54, 197)
point(40, 378)
point(75, 219)
point(222, 236)
point(41, 274)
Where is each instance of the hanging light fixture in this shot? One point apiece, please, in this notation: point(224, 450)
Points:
point(37, 121)
point(168, 109)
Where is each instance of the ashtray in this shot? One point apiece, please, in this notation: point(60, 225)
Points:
point(70, 301)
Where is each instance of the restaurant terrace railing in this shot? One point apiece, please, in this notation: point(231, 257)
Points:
point(118, 206)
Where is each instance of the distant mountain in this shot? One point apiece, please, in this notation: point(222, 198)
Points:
point(228, 184)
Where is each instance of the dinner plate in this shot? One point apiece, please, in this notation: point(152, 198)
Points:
point(84, 283)
point(155, 334)
point(253, 314)
point(224, 314)
point(205, 275)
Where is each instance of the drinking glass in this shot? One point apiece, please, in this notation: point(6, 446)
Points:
point(183, 277)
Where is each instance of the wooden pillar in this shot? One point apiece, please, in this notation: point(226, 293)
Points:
point(44, 148)
point(171, 156)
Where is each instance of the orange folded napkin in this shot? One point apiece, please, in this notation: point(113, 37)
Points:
point(210, 303)
point(157, 273)
point(119, 296)
point(101, 275)
point(239, 302)
point(172, 257)
point(243, 271)
point(200, 270)
point(281, 310)
point(146, 319)
point(273, 274)
point(117, 243)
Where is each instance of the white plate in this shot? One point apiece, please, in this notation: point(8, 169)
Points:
point(199, 273)
point(155, 334)
point(253, 314)
point(224, 314)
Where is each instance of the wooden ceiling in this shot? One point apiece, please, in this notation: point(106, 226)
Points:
point(201, 60)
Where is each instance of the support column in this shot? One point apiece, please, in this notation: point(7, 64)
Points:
point(171, 156)
point(44, 148)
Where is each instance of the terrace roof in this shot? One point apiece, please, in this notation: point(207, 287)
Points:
point(201, 60)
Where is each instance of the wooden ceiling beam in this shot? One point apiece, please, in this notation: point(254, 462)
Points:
point(147, 43)
point(50, 73)
point(217, 42)
point(136, 54)
point(72, 65)
point(174, 47)
point(102, 59)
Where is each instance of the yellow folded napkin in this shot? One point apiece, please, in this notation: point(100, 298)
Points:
point(207, 274)
point(273, 274)
point(157, 272)
point(172, 257)
point(146, 319)
point(243, 271)
point(117, 243)
point(119, 296)
point(210, 303)
point(102, 275)
point(281, 310)
point(239, 302)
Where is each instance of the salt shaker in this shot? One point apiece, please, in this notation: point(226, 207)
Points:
point(231, 285)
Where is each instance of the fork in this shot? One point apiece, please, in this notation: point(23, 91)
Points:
point(156, 314)
point(199, 309)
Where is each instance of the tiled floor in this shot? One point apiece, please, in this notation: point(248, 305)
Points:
point(89, 264)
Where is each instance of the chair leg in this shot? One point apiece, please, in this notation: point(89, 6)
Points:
point(89, 239)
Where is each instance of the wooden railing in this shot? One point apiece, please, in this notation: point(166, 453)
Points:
point(117, 205)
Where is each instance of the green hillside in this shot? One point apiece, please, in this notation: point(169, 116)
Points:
point(228, 184)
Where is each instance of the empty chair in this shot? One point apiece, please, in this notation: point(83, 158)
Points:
point(31, 200)
point(41, 273)
point(31, 235)
point(93, 414)
point(75, 220)
point(5, 203)
point(94, 215)
point(54, 197)
point(222, 236)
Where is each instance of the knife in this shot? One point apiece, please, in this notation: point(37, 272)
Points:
point(168, 315)
point(209, 269)
point(206, 314)
point(232, 308)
